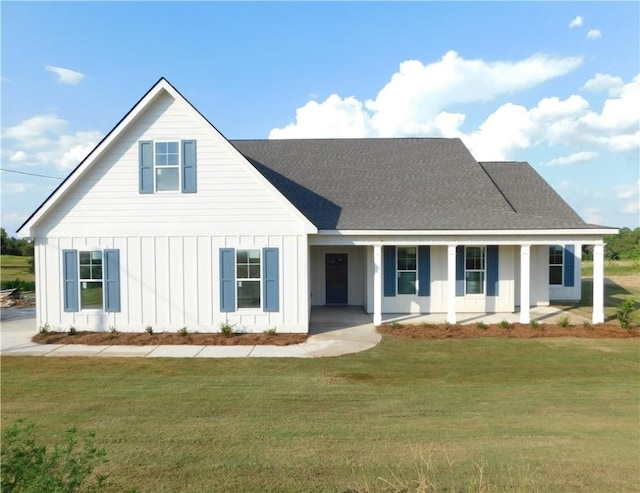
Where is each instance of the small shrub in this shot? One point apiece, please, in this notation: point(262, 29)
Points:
point(425, 325)
point(481, 325)
point(67, 467)
point(564, 321)
point(271, 331)
point(149, 330)
point(504, 324)
point(113, 329)
point(587, 325)
point(447, 325)
point(72, 331)
point(394, 325)
point(226, 328)
point(624, 312)
point(534, 324)
point(44, 329)
point(183, 331)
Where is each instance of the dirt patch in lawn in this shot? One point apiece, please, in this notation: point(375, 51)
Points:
point(513, 331)
point(168, 338)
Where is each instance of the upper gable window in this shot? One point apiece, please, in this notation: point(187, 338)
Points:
point(167, 166)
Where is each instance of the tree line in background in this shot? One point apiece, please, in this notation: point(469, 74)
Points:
point(15, 246)
point(623, 246)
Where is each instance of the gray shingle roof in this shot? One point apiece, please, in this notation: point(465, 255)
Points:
point(406, 184)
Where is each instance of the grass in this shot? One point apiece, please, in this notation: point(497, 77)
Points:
point(613, 267)
point(549, 415)
point(14, 267)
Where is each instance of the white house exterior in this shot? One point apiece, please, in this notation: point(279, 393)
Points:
point(168, 224)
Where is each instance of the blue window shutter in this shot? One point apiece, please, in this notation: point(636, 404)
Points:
point(389, 263)
point(189, 172)
point(146, 166)
point(271, 286)
point(492, 271)
point(424, 270)
point(112, 280)
point(459, 270)
point(569, 265)
point(70, 271)
point(227, 280)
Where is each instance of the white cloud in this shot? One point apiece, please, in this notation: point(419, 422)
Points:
point(43, 140)
point(630, 197)
point(577, 157)
point(409, 104)
point(593, 215)
point(604, 82)
point(577, 22)
point(334, 116)
point(417, 99)
point(65, 75)
point(594, 34)
point(15, 187)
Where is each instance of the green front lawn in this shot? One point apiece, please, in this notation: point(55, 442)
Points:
point(532, 415)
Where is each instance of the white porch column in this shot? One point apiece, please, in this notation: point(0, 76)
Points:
point(525, 283)
point(377, 285)
point(598, 283)
point(451, 284)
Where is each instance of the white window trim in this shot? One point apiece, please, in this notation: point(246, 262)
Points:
point(80, 281)
point(260, 281)
point(398, 271)
point(561, 265)
point(178, 166)
point(483, 250)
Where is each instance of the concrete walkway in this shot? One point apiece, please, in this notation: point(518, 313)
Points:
point(334, 331)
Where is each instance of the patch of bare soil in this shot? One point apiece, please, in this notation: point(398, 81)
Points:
point(168, 338)
point(515, 331)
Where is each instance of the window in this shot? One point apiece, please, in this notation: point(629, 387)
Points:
point(407, 270)
point(555, 265)
point(90, 280)
point(248, 274)
point(474, 266)
point(167, 167)
point(249, 278)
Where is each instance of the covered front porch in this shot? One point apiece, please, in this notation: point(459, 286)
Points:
point(512, 277)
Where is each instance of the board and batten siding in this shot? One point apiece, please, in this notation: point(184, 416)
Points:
point(170, 282)
point(436, 302)
point(169, 242)
point(229, 199)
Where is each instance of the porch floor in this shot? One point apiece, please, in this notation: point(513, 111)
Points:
point(542, 314)
point(330, 318)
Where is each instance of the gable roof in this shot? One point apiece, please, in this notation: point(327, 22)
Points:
point(160, 87)
point(407, 184)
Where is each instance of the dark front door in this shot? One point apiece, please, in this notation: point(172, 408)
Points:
point(336, 279)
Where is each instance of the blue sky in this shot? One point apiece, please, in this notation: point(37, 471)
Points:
point(554, 84)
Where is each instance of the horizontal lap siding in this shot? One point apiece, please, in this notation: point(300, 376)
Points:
point(229, 197)
point(170, 282)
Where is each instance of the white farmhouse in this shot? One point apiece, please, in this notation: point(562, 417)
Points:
point(169, 224)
